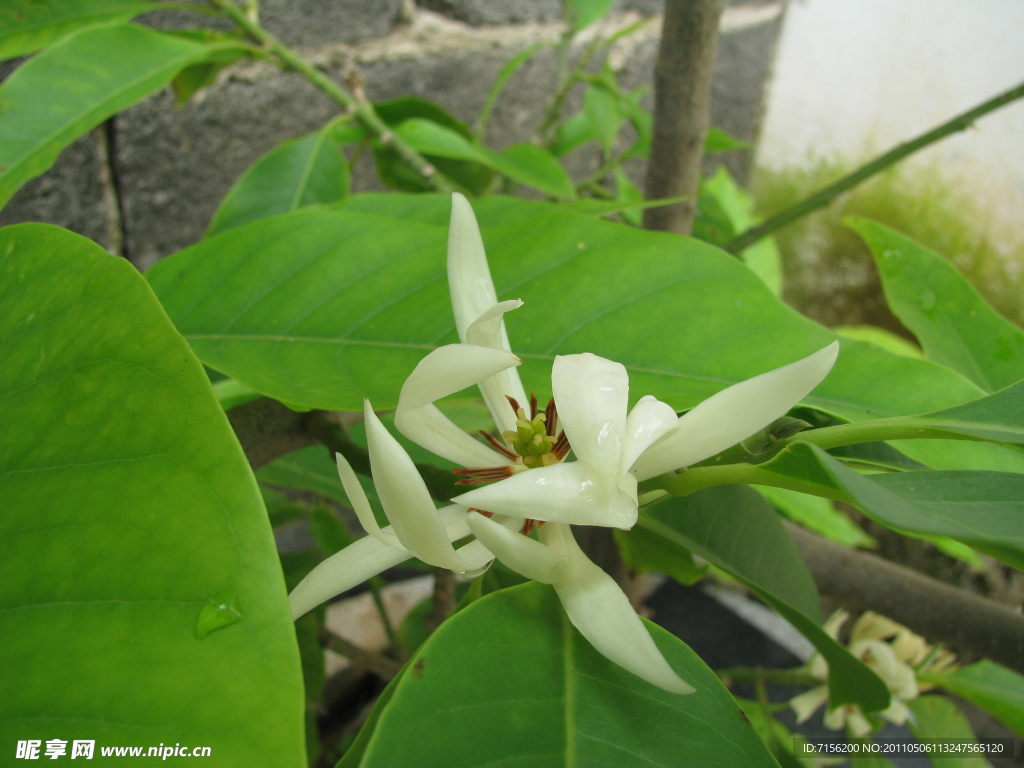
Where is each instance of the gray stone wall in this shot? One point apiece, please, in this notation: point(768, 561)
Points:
point(147, 183)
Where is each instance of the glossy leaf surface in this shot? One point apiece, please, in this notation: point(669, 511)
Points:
point(28, 25)
point(734, 528)
point(956, 327)
point(309, 170)
point(508, 681)
point(994, 688)
point(86, 77)
point(141, 599)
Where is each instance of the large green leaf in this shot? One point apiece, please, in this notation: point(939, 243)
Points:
point(309, 170)
point(994, 688)
point(320, 308)
point(982, 509)
point(131, 526)
point(78, 83)
point(735, 529)
point(954, 324)
point(28, 25)
point(937, 718)
point(998, 417)
point(508, 681)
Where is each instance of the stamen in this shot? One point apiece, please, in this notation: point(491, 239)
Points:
point(551, 417)
point(499, 446)
point(514, 403)
point(561, 447)
point(533, 406)
point(483, 512)
point(529, 525)
point(477, 475)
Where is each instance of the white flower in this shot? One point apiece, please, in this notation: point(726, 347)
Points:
point(884, 659)
point(614, 447)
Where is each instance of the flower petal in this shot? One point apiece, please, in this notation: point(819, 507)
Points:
point(808, 702)
point(443, 372)
point(469, 277)
point(563, 493)
point(592, 394)
point(430, 428)
point(649, 420)
point(360, 504)
point(353, 565)
point(602, 613)
point(520, 553)
point(405, 498)
point(735, 413)
point(450, 369)
point(488, 330)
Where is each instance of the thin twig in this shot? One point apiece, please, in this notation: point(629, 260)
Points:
point(682, 110)
point(373, 662)
point(825, 196)
point(928, 607)
point(361, 108)
point(443, 601)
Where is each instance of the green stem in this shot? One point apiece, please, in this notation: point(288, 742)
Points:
point(825, 196)
point(362, 109)
point(798, 676)
point(697, 478)
point(875, 431)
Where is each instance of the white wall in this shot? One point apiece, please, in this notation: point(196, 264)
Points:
point(855, 77)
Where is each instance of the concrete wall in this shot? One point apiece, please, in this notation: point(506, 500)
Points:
point(854, 79)
point(147, 183)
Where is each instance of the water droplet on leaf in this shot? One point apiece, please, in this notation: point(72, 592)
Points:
point(218, 612)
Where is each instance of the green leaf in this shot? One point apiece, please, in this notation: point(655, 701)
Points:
point(583, 13)
point(507, 680)
point(954, 324)
point(535, 167)
point(321, 308)
point(430, 138)
point(726, 209)
point(645, 551)
point(999, 417)
point(309, 170)
point(601, 108)
point(718, 141)
point(572, 133)
point(734, 528)
point(77, 84)
point(310, 469)
point(130, 516)
point(936, 717)
point(994, 688)
point(28, 25)
point(818, 515)
point(881, 337)
point(982, 509)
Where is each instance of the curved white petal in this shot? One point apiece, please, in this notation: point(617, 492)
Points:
point(592, 394)
point(520, 553)
point(431, 429)
point(444, 371)
point(469, 277)
point(343, 570)
point(808, 702)
point(735, 413)
point(450, 369)
point(477, 556)
point(488, 330)
point(649, 420)
point(406, 500)
point(563, 493)
point(602, 613)
point(360, 504)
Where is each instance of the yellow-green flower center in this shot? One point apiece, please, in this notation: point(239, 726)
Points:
point(531, 441)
